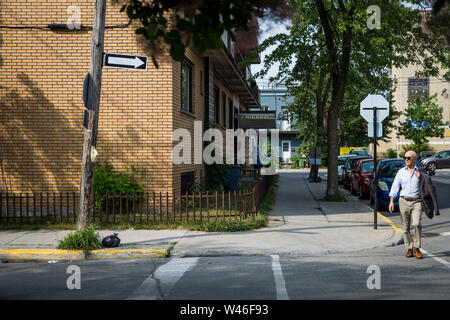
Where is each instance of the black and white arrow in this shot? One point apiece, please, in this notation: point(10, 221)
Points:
point(114, 60)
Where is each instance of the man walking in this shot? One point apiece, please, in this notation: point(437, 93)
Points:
point(410, 204)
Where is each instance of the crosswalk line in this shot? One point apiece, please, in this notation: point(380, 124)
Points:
point(163, 280)
point(279, 279)
point(445, 263)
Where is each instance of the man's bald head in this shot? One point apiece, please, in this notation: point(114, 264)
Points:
point(411, 154)
point(410, 159)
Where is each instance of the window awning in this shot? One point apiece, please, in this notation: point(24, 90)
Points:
point(257, 120)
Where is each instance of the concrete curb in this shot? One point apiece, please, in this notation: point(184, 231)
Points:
point(51, 255)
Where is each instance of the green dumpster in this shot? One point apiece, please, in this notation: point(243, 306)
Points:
point(301, 162)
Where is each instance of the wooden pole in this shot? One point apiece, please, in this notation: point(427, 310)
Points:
point(90, 133)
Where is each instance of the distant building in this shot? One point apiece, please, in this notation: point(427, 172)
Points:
point(408, 84)
point(275, 97)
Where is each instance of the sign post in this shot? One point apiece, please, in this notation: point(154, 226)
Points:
point(375, 108)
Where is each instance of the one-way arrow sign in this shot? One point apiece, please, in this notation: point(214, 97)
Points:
point(123, 61)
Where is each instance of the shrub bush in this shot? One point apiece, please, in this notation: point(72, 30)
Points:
point(85, 239)
point(390, 153)
point(109, 181)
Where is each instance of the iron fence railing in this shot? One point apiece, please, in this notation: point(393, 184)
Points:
point(148, 207)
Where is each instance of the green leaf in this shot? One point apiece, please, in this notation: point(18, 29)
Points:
point(177, 50)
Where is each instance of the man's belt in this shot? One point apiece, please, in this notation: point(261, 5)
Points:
point(410, 199)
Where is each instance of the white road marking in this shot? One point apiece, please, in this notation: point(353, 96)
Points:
point(435, 257)
point(163, 280)
point(445, 233)
point(279, 279)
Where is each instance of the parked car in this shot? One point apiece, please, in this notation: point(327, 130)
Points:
point(439, 160)
point(359, 152)
point(349, 166)
point(341, 164)
point(386, 171)
point(359, 182)
point(426, 154)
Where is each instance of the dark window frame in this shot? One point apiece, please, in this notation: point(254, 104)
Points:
point(190, 68)
point(230, 114)
point(224, 110)
point(216, 105)
point(187, 180)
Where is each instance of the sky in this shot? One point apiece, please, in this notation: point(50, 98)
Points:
point(268, 29)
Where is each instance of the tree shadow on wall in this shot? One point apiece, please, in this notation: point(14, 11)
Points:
point(34, 138)
point(122, 151)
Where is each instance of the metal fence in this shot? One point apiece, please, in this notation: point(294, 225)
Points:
point(149, 207)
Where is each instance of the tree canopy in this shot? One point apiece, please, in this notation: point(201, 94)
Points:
point(199, 23)
point(352, 45)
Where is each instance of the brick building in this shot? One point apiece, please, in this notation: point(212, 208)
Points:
point(41, 109)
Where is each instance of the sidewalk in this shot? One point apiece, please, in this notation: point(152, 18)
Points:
point(298, 225)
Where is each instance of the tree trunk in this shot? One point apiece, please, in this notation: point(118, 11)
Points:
point(339, 75)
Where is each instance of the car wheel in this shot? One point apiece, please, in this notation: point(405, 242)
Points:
point(431, 166)
point(360, 193)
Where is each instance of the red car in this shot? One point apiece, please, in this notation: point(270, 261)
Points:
point(360, 177)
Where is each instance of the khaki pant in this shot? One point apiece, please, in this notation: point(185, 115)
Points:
point(411, 212)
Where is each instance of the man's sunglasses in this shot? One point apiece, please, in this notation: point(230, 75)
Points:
point(407, 158)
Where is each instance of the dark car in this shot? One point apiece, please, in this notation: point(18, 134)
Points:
point(426, 154)
point(386, 171)
point(359, 182)
point(439, 160)
point(350, 164)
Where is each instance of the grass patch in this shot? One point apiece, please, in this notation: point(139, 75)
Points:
point(86, 239)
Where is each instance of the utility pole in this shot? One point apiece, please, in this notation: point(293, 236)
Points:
point(90, 133)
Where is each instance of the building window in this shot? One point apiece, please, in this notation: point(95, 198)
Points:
point(186, 86)
point(286, 115)
point(224, 110)
point(216, 104)
point(230, 113)
point(285, 146)
point(201, 83)
point(418, 85)
point(187, 182)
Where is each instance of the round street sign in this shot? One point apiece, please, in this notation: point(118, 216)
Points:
point(374, 101)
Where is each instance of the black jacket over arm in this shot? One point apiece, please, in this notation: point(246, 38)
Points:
point(427, 192)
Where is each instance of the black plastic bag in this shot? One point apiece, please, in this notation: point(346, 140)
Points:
point(111, 241)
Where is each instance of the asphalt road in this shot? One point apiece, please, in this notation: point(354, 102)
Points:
point(383, 273)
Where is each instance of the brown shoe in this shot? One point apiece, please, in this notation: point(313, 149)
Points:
point(418, 253)
point(409, 254)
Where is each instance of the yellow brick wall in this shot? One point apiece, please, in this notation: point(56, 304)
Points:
point(184, 120)
point(41, 108)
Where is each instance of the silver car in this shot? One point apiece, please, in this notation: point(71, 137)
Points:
point(341, 164)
